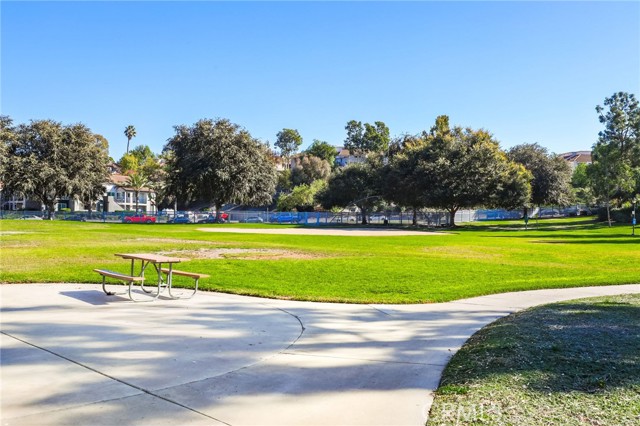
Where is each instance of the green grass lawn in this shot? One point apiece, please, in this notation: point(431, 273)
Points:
point(571, 363)
point(474, 260)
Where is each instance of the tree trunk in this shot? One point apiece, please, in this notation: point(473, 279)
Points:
point(50, 207)
point(364, 215)
point(135, 193)
point(218, 207)
point(608, 213)
point(415, 217)
point(452, 216)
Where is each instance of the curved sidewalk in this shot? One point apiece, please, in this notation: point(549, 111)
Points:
point(72, 355)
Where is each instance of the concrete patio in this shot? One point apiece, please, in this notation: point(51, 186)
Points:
point(73, 356)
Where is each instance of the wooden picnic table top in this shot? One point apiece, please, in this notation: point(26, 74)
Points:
point(150, 257)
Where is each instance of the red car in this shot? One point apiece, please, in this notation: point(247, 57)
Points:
point(224, 217)
point(139, 218)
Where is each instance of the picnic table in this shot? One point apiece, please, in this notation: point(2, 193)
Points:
point(157, 261)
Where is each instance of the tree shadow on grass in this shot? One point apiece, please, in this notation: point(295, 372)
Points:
point(567, 347)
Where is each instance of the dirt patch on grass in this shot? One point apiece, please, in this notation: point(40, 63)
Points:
point(244, 254)
point(175, 241)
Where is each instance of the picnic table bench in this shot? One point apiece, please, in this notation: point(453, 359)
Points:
point(147, 259)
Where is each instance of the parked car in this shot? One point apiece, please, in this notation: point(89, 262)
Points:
point(180, 219)
point(377, 218)
point(252, 219)
point(139, 218)
point(346, 219)
point(284, 217)
point(30, 217)
point(76, 217)
point(222, 218)
point(549, 213)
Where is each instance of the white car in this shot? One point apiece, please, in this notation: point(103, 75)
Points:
point(30, 217)
point(377, 218)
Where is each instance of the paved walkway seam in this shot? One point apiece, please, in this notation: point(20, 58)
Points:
point(143, 390)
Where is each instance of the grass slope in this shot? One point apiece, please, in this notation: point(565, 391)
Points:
point(571, 363)
point(475, 260)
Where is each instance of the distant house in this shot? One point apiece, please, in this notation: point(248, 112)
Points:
point(576, 157)
point(120, 196)
point(18, 202)
point(344, 157)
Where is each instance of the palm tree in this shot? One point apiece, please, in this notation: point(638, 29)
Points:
point(137, 181)
point(130, 133)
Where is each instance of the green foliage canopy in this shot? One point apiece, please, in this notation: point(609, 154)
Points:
point(288, 141)
point(309, 168)
point(218, 162)
point(47, 160)
point(357, 184)
point(615, 170)
point(323, 150)
point(367, 139)
point(302, 198)
point(551, 184)
point(465, 168)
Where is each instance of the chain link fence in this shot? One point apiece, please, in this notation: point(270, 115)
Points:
point(432, 218)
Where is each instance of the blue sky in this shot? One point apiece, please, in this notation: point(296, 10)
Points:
point(525, 71)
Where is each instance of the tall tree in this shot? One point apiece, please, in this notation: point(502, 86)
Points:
point(130, 133)
point(219, 162)
point(622, 126)
point(324, 150)
point(551, 184)
point(403, 184)
point(356, 184)
point(288, 141)
point(308, 168)
point(611, 177)
point(465, 168)
point(47, 161)
point(616, 154)
point(368, 138)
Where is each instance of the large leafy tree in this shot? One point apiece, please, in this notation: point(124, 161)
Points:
point(323, 150)
point(218, 162)
point(288, 141)
point(368, 138)
point(357, 184)
point(93, 187)
point(402, 182)
point(551, 184)
point(465, 168)
point(308, 169)
point(130, 133)
point(47, 161)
